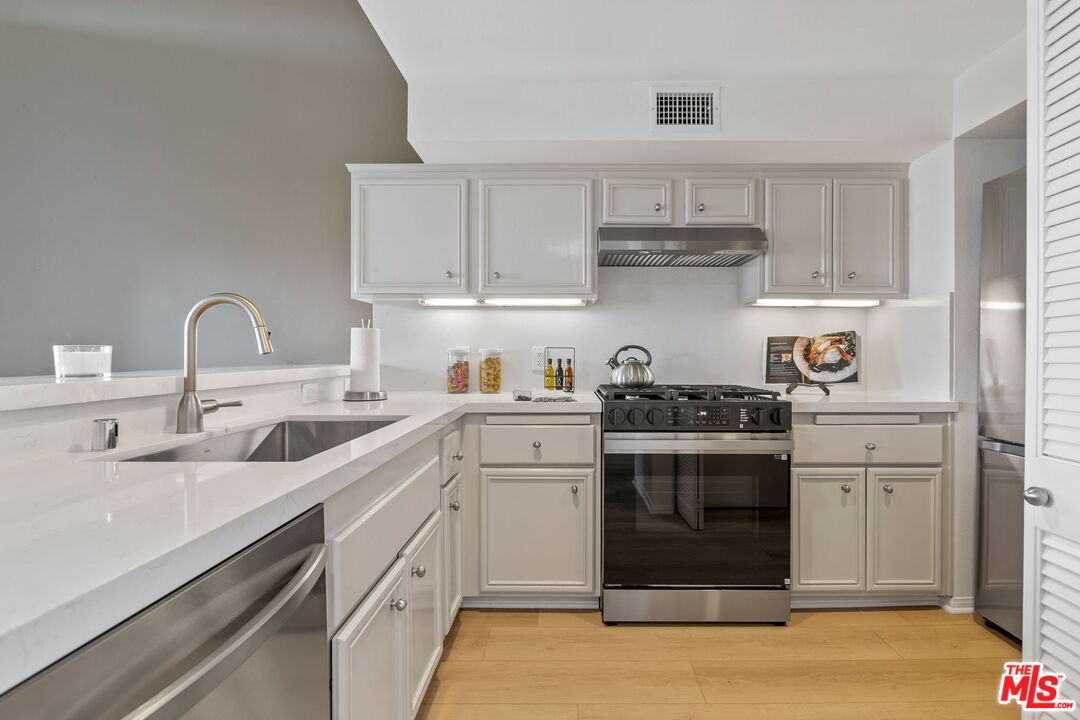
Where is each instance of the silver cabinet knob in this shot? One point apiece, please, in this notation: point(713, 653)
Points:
point(536, 444)
point(871, 446)
point(658, 207)
point(701, 207)
point(449, 275)
point(496, 275)
point(400, 604)
point(845, 488)
point(815, 275)
point(419, 571)
point(851, 275)
point(455, 505)
point(459, 456)
point(1037, 496)
point(574, 489)
point(887, 489)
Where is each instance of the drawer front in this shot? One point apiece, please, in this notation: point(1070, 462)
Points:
point(361, 552)
point(450, 456)
point(869, 444)
point(728, 201)
point(537, 445)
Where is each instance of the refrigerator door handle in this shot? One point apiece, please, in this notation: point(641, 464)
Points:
point(1001, 447)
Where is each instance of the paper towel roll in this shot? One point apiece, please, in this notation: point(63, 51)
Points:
point(364, 360)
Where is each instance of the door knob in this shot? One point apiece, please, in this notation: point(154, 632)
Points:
point(845, 488)
point(851, 275)
point(574, 489)
point(658, 207)
point(496, 275)
point(449, 275)
point(1037, 496)
point(455, 505)
point(701, 207)
point(536, 444)
point(871, 446)
point(459, 456)
point(815, 275)
point(419, 571)
point(399, 604)
point(887, 489)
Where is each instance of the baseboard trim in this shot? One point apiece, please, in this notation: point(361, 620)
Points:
point(519, 602)
point(958, 605)
point(819, 602)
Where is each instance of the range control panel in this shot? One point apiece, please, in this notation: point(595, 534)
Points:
point(756, 416)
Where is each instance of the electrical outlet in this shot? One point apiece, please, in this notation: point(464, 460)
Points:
point(538, 357)
point(309, 393)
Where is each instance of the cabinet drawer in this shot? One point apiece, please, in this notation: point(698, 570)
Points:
point(537, 445)
point(450, 456)
point(360, 553)
point(869, 444)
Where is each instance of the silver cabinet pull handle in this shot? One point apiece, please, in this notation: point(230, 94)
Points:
point(419, 571)
point(871, 446)
point(887, 489)
point(536, 444)
point(455, 505)
point(845, 488)
point(851, 275)
point(701, 207)
point(400, 604)
point(574, 489)
point(658, 207)
point(449, 275)
point(1037, 496)
point(496, 275)
point(815, 275)
point(459, 456)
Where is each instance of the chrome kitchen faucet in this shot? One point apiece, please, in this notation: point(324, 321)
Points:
point(189, 414)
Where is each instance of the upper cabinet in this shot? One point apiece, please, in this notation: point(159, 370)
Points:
point(409, 237)
point(721, 201)
point(798, 220)
point(637, 201)
point(536, 236)
point(867, 235)
point(687, 200)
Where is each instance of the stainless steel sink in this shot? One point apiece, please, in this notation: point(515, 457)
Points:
point(286, 441)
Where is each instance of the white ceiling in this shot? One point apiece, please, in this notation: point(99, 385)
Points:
point(691, 39)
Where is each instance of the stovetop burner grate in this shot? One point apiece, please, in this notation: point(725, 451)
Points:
point(668, 393)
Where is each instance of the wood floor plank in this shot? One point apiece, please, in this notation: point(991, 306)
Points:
point(564, 682)
point(805, 711)
point(847, 618)
point(946, 641)
point(496, 618)
point(497, 712)
point(936, 616)
point(570, 618)
point(682, 643)
point(465, 644)
point(848, 681)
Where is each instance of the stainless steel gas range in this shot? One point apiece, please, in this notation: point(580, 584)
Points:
point(696, 504)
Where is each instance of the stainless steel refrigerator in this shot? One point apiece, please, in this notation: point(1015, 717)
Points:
point(998, 596)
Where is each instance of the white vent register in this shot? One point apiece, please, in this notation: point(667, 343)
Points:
point(680, 109)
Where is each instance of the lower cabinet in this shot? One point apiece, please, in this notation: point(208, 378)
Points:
point(874, 530)
point(423, 555)
point(537, 532)
point(453, 551)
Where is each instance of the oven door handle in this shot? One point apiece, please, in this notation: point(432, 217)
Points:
point(697, 447)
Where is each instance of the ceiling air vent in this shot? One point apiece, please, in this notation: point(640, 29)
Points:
point(685, 108)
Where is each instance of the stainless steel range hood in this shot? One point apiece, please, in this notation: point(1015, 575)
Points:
point(680, 247)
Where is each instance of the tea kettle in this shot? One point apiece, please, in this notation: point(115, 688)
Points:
point(631, 372)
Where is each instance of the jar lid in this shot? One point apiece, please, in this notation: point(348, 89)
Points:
point(491, 351)
point(460, 349)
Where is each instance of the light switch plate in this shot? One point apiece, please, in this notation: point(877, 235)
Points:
point(538, 357)
point(309, 393)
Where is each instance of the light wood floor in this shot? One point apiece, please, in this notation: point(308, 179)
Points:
point(914, 664)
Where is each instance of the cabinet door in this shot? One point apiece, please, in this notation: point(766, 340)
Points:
point(450, 455)
point(637, 201)
point(536, 530)
point(452, 551)
point(721, 201)
point(537, 236)
point(369, 654)
point(903, 529)
point(829, 537)
point(868, 242)
point(798, 224)
point(409, 237)
point(423, 556)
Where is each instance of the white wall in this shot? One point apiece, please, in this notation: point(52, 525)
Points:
point(688, 318)
point(991, 86)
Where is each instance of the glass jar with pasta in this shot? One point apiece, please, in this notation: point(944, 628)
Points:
point(491, 363)
point(457, 370)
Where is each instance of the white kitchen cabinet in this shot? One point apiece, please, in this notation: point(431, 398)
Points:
point(369, 653)
point(868, 240)
point(903, 529)
point(721, 201)
point(423, 558)
point(537, 236)
point(409, 236)
point(829, 529)
point(637, 201)
point(798, 225)
point(537, 530)
point(453, 539)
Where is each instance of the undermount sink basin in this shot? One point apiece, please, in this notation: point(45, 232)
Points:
point(286, 441)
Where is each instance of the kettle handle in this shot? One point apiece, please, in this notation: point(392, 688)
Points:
point(648, 355)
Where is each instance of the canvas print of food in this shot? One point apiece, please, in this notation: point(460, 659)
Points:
point(829, 358)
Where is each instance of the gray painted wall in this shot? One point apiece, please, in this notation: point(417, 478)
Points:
point(152, 153)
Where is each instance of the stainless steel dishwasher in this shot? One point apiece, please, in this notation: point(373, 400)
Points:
point(247, 639)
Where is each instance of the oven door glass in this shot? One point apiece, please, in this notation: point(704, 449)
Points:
point(696, 520)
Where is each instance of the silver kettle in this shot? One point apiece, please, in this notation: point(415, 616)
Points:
point(631, 372)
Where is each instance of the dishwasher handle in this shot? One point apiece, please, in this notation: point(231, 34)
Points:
point(187, 690)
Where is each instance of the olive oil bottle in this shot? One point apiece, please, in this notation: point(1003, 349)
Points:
point(549, 376)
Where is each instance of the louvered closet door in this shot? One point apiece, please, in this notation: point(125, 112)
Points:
point(1052, 529)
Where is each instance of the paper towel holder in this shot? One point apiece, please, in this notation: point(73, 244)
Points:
point(364, 395)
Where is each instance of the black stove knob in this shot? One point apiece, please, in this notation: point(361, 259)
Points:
point(655, 416)
point(776, 416)
point(636, 416)
point(755, 416)
point(616, 416)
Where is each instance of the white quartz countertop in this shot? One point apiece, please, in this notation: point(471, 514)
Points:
point(812, 400)
point(86, 542)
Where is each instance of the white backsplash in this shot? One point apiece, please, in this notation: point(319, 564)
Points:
point(689, 318)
